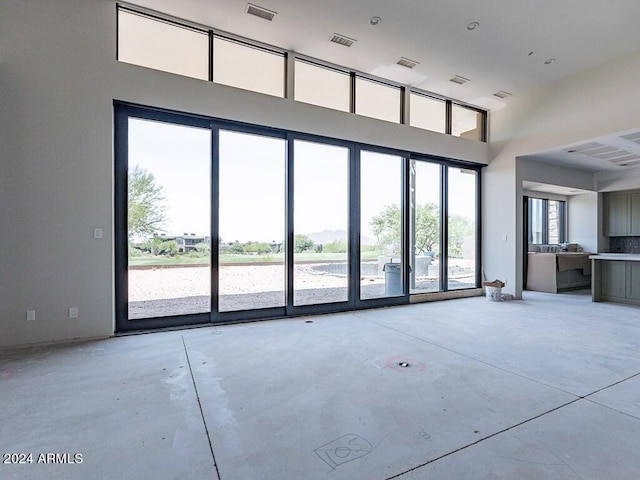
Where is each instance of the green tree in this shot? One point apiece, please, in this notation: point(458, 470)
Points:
point(459, 227)
point(302, 243)
point(427, 228)
point(387, 227)
point(146, 204)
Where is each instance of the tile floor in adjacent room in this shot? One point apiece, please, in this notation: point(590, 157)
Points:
point(546, 387)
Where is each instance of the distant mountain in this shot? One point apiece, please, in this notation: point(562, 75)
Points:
point(328, 236)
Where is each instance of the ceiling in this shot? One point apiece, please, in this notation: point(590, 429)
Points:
point(506, 52)
point(554, 189)
point(613, 152)
point(578, 34)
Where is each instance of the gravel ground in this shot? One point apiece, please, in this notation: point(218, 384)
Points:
point(177, 291)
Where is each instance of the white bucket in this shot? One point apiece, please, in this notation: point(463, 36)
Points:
point(494, 294)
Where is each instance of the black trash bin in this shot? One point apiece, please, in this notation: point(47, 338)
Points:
point(392, 279)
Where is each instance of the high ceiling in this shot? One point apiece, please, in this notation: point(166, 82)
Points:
point(518, 45)
point(495, 56)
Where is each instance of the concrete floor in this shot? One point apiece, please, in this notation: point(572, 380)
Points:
point(547, 387)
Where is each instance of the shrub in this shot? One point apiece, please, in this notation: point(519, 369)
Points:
point(169, 248)
point(236, 248)
point(257, 248)
point(337, 246)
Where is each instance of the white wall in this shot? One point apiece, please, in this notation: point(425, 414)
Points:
point(58, 80)
point(582, 219)
point(598, 102)
point(532, 170)
point(615, 181)
point(548, 196)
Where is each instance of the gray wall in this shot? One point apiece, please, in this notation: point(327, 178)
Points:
point(58, 80)
point(582, 215)
point(616, 181)
point(598, 102)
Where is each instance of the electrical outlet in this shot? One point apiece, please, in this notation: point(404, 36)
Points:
point(97, 233)
point(31, 315)
point(73, 312)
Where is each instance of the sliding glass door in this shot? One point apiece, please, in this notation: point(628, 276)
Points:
point(321, 223)
point(381, 241)
point(461, 228)
point(425, 226)
point(217, 221)
point(251, 215)
point(168, 219)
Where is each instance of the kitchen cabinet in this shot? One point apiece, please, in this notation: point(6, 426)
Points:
point(633, 280)
point(616, 278)
point(634, 214)
point(622, 214)
point(613, 279)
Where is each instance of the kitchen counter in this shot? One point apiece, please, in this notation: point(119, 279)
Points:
point(616, 277)
point(628, 257)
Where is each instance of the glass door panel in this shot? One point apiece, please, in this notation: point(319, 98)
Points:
point(168, 213)
point(424, 226)
point(321, 223)
point(380, 225)
point(462, 228)
point(251, 221)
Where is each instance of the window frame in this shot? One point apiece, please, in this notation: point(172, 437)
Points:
point(288, 87)
point(124, 111)
point(482, 120)
point(401, 93)
point(562, 234)
point(156, 17)
point(326, 66)
point(249, 44)
point(420, 93)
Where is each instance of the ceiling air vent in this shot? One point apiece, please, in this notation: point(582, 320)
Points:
point(342, 40)
point(260, 12)
point(628, 164)
point(584, 148)
point(632, 137)
point(501, 94)
point(459, 80)
point(405, 62)
point(624, 160)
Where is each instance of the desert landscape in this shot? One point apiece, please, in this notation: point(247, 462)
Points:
point(179, 290)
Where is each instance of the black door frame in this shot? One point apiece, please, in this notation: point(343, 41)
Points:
point(123, 111)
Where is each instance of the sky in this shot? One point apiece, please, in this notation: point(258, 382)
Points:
point(252, 182)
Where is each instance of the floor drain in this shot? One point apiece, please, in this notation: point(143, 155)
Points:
point(400, 363)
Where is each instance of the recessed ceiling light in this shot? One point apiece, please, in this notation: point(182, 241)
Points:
point(549, 61)
point(375, 21)
point(473, 26)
